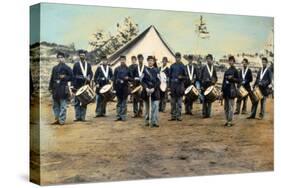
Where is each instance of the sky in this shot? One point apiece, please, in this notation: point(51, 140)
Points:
point(66, 24)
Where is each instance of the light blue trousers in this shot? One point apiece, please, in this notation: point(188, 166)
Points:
point(154, 111)
point(59, 108)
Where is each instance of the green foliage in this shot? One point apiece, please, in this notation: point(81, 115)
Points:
point(106, 43)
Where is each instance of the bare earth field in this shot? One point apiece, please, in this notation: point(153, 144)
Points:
point(103, 150)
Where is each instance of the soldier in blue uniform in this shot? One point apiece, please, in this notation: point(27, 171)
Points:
point(192, 77)
point(121, 80)
point(176, 85)
point(151, 92)
point(59, 87)
point(208, 78)
point(82, 75)
point(245, 77)
point(199, 67)
point(229, 90)
point(263, 81)
point(103, 76)
point(136, 73)
point(164, 94)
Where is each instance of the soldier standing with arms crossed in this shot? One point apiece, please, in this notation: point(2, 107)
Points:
point(121, 79)
point(176, 85)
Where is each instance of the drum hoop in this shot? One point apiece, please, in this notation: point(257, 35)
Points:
point(105, 88)
point(209, 89)
point(81, 90)
point(188, 89)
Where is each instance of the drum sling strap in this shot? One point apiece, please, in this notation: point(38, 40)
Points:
point(190, 74)
point(105, 72)
point(263, 73)
point(84, 70)
point(244, 72)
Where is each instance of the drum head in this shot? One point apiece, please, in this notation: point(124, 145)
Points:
point(209, 89)
point(105, 88)
point(188, 89)
point(138, 88)
point(163, 86)
point(81, 90)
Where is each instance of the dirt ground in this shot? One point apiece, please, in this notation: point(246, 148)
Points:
point(103, 150)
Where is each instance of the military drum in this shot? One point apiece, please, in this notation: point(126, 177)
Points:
point(242, 92)
point(85, 94)
point(256, 95)
point(107, 92)
point(191, 93)
point(211, 94)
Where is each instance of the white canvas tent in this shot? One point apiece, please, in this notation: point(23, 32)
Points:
point(149, 42)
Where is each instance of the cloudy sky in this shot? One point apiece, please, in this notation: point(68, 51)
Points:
point(64, 24)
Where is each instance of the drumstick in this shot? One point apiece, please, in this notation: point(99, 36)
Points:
point(149, 121)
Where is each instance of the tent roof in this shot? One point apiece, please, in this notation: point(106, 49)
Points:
point(134, 42)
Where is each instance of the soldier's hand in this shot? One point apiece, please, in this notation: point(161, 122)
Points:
point(126, 78)
point(61, 76)
point(229, 77)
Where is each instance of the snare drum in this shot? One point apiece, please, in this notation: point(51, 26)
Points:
point(242, 92)
point(256, 95)
point(107, 92)
point(191, 93)
point(85, 94)
point(211, 94)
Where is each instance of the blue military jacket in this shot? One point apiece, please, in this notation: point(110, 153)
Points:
point(264, 82)
point(177, 78)
point(78, 78)
point(151, 80)
point(100, 77)
point(120, 84)
point(57, 85)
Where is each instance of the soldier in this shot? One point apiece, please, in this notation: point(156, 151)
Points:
point(121, 79)
point(58, 86)
point(263, 81)
point(164, 94)
point(151, 92)
point(199, 68)
point(136, 74)
point(208, 78)
point(176, 85)
point(245, 77)
point(192, 77)
point(229, 90)
point(103, 76)
point(82, 75)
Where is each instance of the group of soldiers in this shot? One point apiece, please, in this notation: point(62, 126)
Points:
point(152, 98)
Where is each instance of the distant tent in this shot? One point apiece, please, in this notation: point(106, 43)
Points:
point(149, 42)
